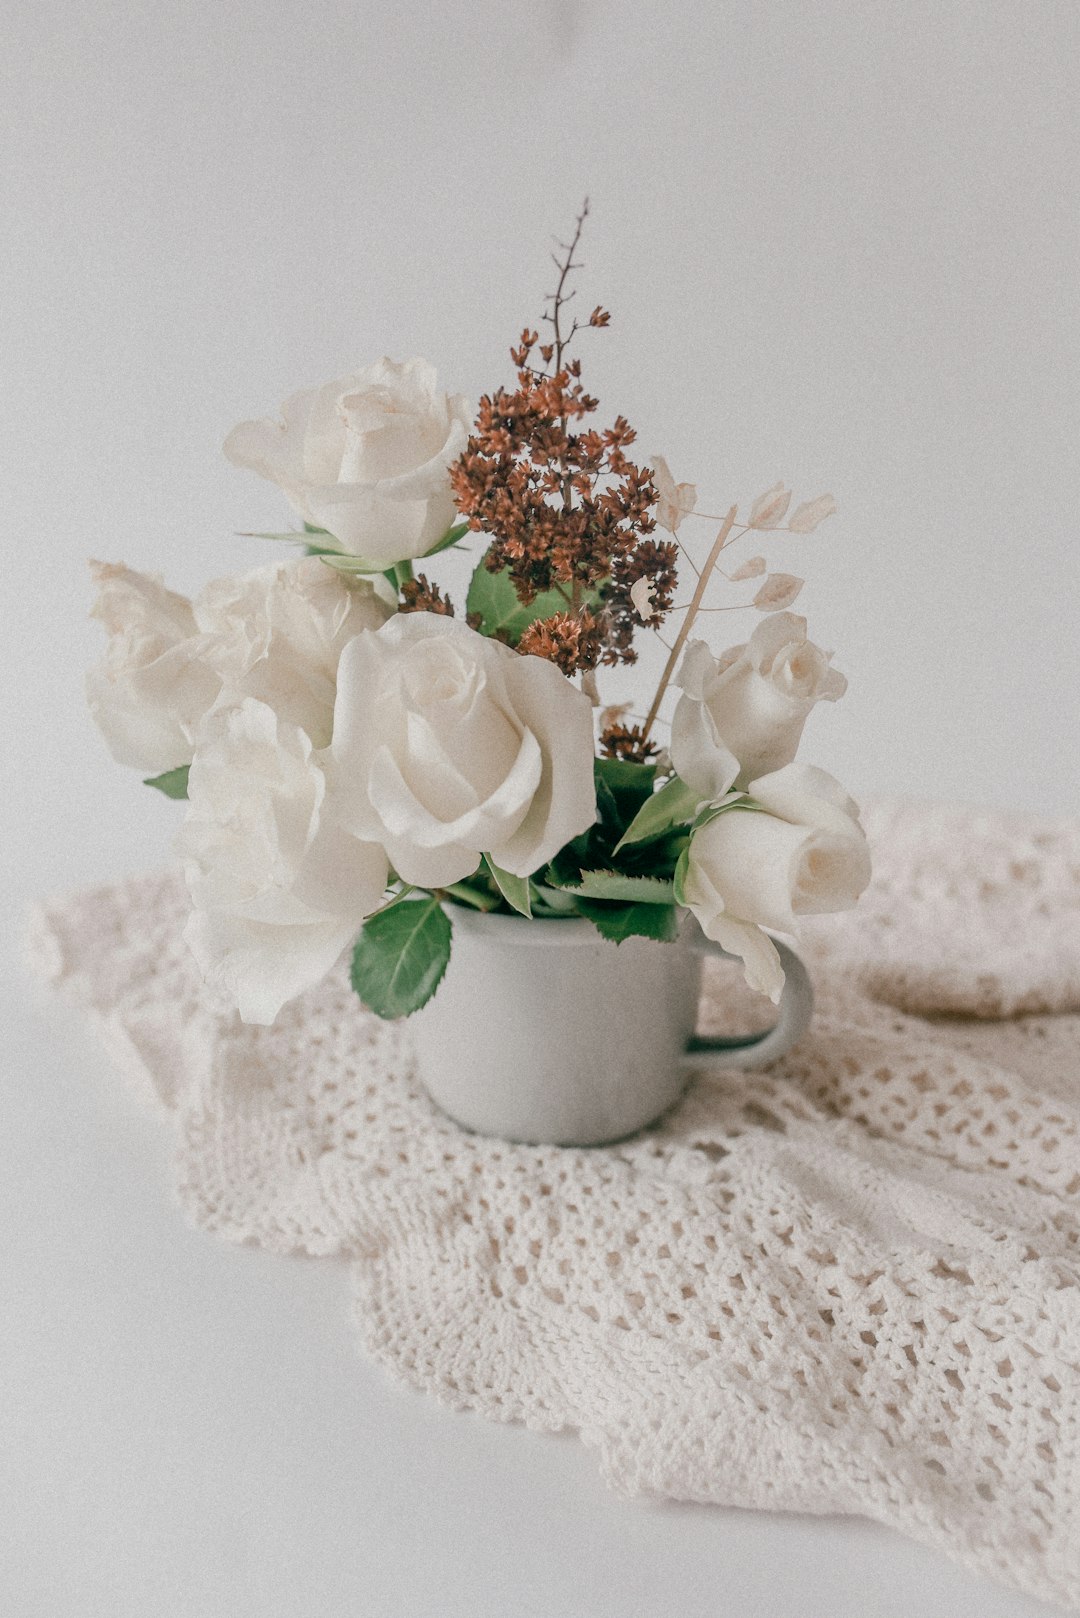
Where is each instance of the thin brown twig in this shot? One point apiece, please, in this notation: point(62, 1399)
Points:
point(687, 557)
point(692, 611)
point(557, 302)
point(557, 298)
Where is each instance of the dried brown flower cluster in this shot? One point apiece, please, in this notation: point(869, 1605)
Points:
point(564, 506)
point(627, 742)
point(571, 640)
point(651, 560)
point(420, 595)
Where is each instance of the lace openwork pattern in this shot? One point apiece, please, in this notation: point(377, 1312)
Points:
point(848, 1284)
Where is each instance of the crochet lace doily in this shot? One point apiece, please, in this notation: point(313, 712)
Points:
point(850, 1283)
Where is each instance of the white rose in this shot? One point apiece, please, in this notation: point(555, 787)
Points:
point(152, 687)
point(448, 745)
point(749, 706)
point(279, 890)
point(277, 634)
point(805, 855)
point(366, 458)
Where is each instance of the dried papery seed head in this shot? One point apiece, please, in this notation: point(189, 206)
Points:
point(806, 517)
point(674, 500)
point(778, 592)
point(769, 508)
point(753, 569)
point(641, 594)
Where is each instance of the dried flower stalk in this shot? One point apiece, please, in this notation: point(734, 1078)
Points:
point(565, 507)
point(691, 613)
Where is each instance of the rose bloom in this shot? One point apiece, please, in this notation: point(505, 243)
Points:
point(152, 687)
point(805, 855)
point(279, 890)
point(448, 745)
point(277, 634)
point(742, 716)
point(367, 458)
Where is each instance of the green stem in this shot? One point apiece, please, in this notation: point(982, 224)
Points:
point(470, 896)
point(399, 574)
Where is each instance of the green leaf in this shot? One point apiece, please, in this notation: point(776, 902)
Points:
point(552, 901)
point(659, 855)
point(514, 889)
point(484, 898)
point(630, 785)
point(679, 883)
point(297, 537)
point(494, 597)
point(458, 531)
point(395, 899)
point(333, 547)
point(400, 957)
point(607, 805)
point(620, 921)
point(671, 806)
point(347, 564)
point(336, 558)
point(173, 783)
point(565, 869)
point(733, 800)
point(649, 890)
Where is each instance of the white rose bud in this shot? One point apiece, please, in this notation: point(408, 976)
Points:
point(277, 634)
point(152, 687)
point(448, 745)
point(805, 855)
point(367, 458)
point(278, 889)
point(750, 705)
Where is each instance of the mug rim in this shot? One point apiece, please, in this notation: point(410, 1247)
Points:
point(535, 931)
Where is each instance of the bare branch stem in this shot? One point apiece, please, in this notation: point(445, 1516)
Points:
point(692, 611)
point(560, 298)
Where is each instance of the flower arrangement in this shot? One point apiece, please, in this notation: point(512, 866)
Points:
point(358, 757)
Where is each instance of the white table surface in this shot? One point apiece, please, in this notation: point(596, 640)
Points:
point(839, 243)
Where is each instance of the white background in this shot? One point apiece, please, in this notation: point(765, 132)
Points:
point(839, 242)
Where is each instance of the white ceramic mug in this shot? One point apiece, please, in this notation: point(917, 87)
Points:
point(543, 1032)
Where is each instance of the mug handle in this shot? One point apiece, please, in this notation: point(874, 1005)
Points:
point(758, 1050)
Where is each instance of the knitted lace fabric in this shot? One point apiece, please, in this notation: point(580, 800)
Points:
point(850, 1283)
